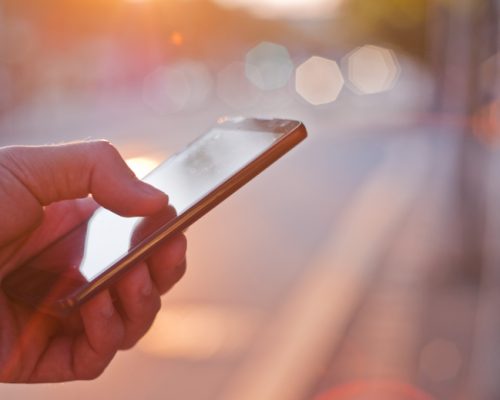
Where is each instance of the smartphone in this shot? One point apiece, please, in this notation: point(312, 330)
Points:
point(97, 252)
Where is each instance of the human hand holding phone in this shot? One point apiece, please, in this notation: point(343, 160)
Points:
point(43, 192)
point(72, 268)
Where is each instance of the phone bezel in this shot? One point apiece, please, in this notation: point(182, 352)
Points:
point(293, 132)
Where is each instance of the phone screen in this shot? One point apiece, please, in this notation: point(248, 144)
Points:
point(186, 177)
point(195, 180)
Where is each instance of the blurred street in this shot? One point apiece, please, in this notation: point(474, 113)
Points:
point(362, 265)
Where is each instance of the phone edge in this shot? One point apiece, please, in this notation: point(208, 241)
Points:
point(190, 216)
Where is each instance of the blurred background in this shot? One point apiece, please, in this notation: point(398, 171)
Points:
point(363, 265)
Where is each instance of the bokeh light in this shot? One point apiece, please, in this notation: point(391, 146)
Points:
point(176, 38)
point(440, 360)
point(184, 85)
point(372, 69)
point(319, 80)
point(235, 89)
point(268, 66)
point(197, 332)
point(150, 75)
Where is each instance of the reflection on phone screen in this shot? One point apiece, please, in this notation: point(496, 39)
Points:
point(186, 177)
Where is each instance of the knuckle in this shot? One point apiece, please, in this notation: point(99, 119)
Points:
point(6, 153)
point(9, 151)
point(103, 148)
point(11, 159)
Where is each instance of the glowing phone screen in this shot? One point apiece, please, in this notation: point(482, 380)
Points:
point(186, 177)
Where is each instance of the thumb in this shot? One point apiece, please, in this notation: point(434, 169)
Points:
point(33, 177)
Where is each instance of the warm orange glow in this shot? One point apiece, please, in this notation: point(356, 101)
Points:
point(141, 165)
point(176, 39)
point(197, 332)
point(383, 389)
point(285, 8)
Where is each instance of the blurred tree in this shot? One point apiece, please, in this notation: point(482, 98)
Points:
point(408, 25)
point(401, 23)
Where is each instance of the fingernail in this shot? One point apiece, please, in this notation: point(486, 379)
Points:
point(150, 190)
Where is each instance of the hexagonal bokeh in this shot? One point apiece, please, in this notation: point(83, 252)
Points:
point(319, 80)
point(268, 66)
point(372, 69)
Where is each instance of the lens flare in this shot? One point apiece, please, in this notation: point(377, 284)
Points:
point(197, 332)
point(176, 38)
point(141, 166)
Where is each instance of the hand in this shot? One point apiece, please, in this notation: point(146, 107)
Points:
point(43, 192)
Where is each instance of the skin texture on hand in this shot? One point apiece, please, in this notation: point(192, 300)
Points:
point(43, 192)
